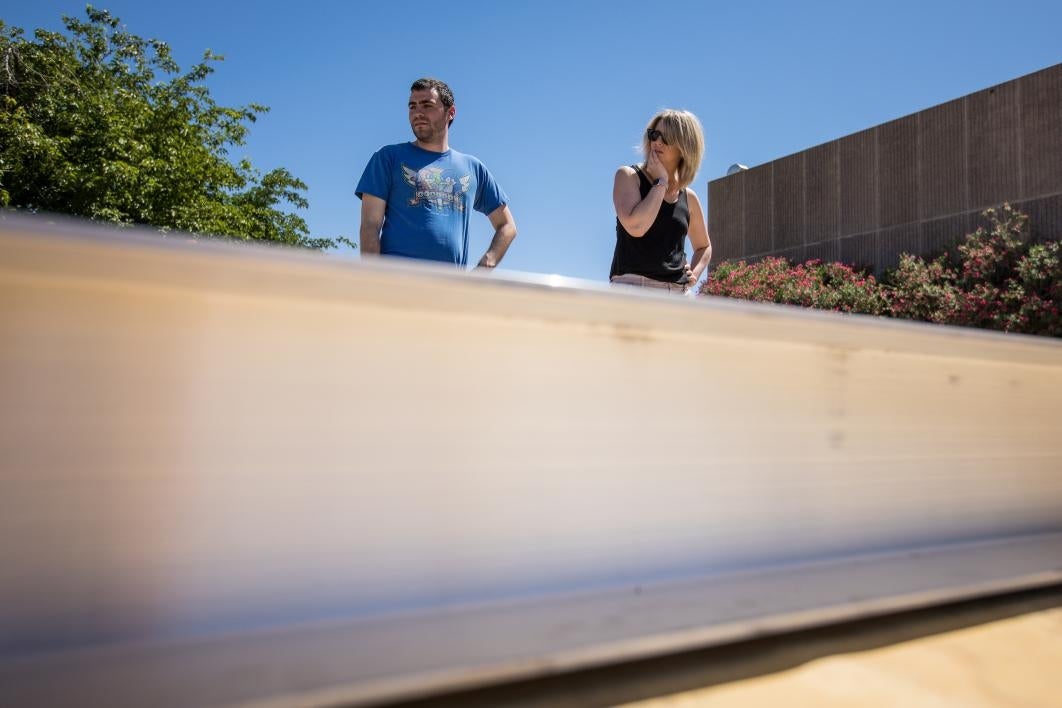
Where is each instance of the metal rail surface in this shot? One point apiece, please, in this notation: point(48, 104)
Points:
point(250, 476)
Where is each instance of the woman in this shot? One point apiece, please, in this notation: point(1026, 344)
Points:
point(656, 210)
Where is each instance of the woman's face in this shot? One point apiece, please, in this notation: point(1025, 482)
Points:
point(659, 143)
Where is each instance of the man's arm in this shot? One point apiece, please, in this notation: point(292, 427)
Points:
point(372, 218)
point(504, 233)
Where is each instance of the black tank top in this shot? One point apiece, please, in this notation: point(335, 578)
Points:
point(661, 253)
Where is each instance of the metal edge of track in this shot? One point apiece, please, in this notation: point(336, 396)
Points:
point(413, 655)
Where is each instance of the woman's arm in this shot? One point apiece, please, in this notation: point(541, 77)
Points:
point(698, 235)
point(635, 214)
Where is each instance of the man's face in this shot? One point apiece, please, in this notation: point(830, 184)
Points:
point(428, 117)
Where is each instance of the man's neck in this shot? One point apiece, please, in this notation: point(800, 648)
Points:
point(438, 146)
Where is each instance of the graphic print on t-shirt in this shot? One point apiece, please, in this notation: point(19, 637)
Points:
point(431, 185)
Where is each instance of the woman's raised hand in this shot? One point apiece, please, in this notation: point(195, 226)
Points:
point(655, 167)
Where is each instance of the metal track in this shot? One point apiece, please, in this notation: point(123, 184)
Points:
point(258, 477)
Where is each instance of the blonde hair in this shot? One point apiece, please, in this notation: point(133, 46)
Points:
point(683, 130)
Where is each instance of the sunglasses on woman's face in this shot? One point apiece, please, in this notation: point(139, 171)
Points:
point(654, 134)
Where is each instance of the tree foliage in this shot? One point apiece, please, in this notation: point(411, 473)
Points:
point(101, 123)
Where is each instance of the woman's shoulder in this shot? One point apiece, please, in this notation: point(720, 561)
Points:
point(630, 173)
point(627, 174)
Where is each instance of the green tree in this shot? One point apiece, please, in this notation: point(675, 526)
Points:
point(101, 123)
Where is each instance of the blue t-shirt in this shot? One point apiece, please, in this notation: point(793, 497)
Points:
point(429, 197)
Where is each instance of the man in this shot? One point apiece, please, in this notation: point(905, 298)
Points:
point(421, 193)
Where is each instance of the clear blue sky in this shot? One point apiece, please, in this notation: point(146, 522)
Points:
point(553, 96)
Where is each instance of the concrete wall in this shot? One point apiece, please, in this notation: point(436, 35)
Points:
point(916, 184)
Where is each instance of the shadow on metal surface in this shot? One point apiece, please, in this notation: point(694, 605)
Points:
point(728, 664)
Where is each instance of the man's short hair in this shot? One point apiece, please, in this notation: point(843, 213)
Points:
point(445, 94)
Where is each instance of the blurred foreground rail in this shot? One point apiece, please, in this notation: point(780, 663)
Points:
point(260, 477)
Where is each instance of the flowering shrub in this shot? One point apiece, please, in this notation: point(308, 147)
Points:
point(827, 286)
point(920, 290)
point(996, 280)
